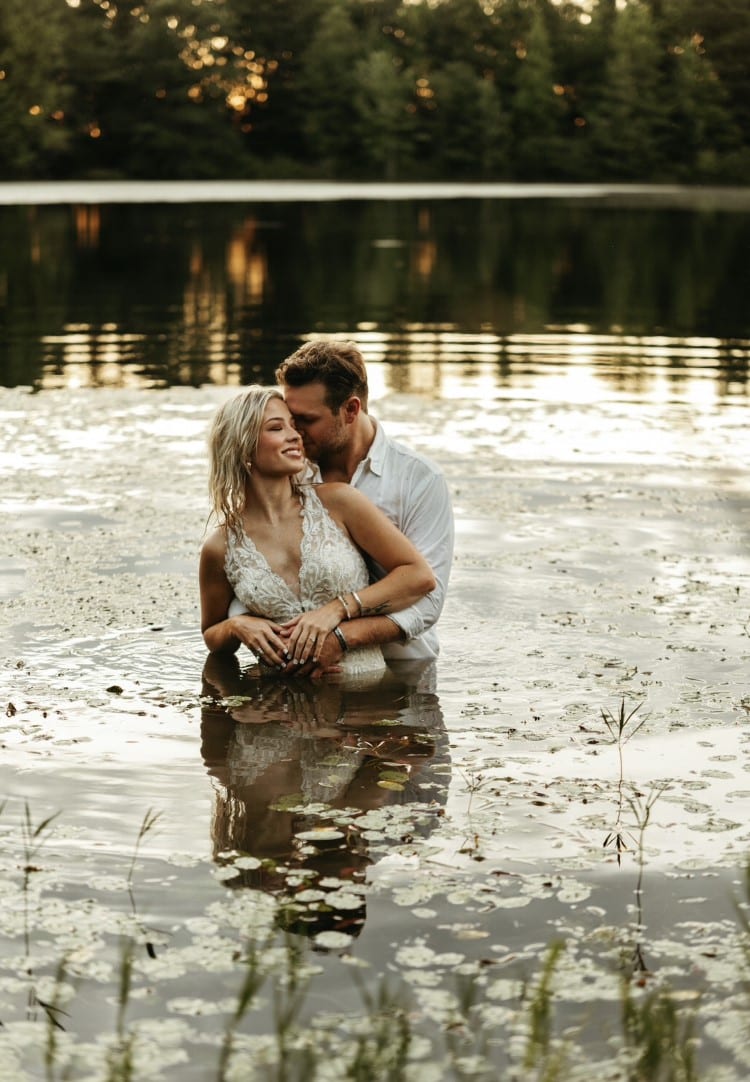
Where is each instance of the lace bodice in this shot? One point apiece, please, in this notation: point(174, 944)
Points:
point(330, 564)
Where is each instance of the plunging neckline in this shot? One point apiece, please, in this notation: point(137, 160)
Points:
point(330, 564)
point(249, 543)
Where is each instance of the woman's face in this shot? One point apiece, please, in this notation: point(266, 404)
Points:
point(279, 451)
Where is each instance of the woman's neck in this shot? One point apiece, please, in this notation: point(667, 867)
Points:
point(270, 500)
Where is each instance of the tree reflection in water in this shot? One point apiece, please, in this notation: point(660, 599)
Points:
point(296, 768)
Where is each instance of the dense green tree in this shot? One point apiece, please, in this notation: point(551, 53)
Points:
point(151, 87)
point(507, 29)
point(723, 30)
point(704, 133)
point(328, 84)
point(274, 36)
point(384, 104)
point(494, 141)
point(35, 94)
point(471, 133)
point(538, 108)
point(446, 31)
point(628, 119)
point(645, 89)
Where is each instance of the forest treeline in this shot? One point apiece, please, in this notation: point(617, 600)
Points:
point(529, 90)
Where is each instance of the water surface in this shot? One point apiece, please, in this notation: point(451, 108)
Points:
point(122, 293)
point(579, 371)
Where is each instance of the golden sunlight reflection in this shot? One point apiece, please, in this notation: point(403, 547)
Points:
point(88, 223)
point(83, 356)
point(425, 257)
point(247, 268)
point(78, 376)
point(564, 364)
point(201, 336)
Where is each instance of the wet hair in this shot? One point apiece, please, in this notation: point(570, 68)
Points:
point(337, 365)
point(232, 443)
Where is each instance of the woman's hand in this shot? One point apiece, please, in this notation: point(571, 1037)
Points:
point(263, 637)
point(307, 632)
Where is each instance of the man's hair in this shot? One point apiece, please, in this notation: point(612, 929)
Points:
point(337, 365)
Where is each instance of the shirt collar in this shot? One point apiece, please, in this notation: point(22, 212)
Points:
point(375, 458)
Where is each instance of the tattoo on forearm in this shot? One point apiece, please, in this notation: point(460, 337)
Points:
point(377, 610)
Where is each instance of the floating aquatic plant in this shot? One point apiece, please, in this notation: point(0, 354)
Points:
point(444, 1002)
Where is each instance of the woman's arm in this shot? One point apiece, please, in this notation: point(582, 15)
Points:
point(409, 577)
point(224, 634)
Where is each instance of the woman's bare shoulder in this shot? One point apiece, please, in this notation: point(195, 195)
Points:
point(215, 545)
point(336, 495)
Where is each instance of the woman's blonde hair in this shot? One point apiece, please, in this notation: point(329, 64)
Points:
point(232, 443)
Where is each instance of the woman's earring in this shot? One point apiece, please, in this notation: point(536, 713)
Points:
point(249, 467)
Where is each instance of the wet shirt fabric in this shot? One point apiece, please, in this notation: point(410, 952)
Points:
point(413, 493)
point(330, 564)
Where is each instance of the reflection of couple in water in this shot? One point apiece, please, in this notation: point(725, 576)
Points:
point(295, 765)
point(331, 555)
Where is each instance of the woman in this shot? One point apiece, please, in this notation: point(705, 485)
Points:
point(290, 552)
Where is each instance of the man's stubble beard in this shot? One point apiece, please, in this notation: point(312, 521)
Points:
point(324, 454)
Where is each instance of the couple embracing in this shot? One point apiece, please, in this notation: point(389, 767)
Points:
point(334, 542)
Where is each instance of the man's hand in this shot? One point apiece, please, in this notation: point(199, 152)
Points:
point(329, 657)
point(327, 662)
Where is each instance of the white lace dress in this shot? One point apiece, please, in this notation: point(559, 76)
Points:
point(330, 565)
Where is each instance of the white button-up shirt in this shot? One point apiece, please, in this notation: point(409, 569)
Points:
point(414, 495)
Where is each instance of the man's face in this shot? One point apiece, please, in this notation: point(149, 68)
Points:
point(323, 431)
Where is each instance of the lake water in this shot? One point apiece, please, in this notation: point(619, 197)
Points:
point(394, 867)
point(633, 283)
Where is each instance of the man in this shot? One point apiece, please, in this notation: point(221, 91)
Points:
point(325, 387)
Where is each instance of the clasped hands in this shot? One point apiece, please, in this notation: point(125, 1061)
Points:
point(303, 645)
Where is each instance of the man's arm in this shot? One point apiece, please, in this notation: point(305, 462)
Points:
point(364, 631)
point(427, 520)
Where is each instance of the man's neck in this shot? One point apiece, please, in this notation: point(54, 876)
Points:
point(342, 465)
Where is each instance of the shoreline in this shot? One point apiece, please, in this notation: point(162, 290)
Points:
point(46, 193)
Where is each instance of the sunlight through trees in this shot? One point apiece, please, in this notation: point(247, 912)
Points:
point(649, 90)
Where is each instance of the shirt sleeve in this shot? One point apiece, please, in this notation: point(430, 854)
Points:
point(428, 523)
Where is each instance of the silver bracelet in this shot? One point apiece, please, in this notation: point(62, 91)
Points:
point(346, 607)
point(358, 599)
point(342, 641)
